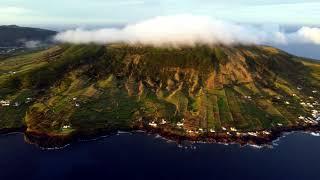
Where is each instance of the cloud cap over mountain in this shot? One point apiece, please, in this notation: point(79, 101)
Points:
point(189, 30)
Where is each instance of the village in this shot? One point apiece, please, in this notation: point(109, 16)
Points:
point(8, 103)
point(310, 104)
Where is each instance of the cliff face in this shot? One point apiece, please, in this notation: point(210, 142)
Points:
point(86, 88)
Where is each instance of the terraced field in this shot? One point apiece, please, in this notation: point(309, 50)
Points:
point(85, 88)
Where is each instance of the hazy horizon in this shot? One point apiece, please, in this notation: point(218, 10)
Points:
point(95, 12)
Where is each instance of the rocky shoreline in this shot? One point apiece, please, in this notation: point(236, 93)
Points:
point(259, 138)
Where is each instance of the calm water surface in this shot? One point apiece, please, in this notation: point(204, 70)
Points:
point(140, 156)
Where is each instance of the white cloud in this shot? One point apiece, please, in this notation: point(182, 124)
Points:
point(189, 30)
point(309, 35)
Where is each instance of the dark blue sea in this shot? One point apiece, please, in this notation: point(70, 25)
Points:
point(141, 156)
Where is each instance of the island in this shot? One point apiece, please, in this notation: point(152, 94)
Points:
point(230, 94)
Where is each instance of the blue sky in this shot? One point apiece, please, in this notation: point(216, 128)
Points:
point(104, 12)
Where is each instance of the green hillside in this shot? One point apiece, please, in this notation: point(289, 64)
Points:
point(86, 88)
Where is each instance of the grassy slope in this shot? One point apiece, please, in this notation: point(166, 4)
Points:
point(118, 85)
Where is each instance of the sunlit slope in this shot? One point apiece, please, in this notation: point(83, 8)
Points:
point(88, 87)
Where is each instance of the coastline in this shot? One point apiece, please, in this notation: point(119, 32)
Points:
point(59, 141)
point(12, 130)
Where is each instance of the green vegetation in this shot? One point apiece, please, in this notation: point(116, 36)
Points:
point(90, 87)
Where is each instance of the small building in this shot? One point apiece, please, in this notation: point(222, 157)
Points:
point(248, 97)
point(252, 133)
point(266, 132)
point(28, 100)
point(180, 124)
point(233, 129)
point(163, 121)
point(153, 124)
point(190, 131)
point(5, 103)
point(310, 105)
point(66, 127)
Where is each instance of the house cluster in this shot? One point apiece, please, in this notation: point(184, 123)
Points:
point(76, 104)
point(253, 134)
point(66, 127)
point(308, 104)
point(5, 103)
point(309, 120)
point(154, 124)
point(315, 114)
point(247, 97)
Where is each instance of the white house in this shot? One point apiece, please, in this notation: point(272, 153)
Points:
point(66, 127)
point(153, 124)
point(266, 132)
point(163, 122)
point(252, 134)
point(179, 124)
point(5, 103)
